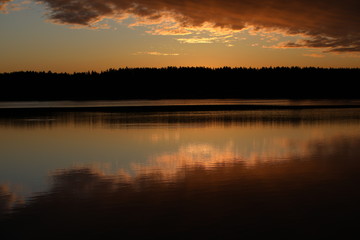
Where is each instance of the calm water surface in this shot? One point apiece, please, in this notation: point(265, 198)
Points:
point(176, 175)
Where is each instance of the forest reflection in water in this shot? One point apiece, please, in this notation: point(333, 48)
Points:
point(114, 119)
point(201, 188)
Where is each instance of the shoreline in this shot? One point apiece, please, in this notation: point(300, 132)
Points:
point(173, 108)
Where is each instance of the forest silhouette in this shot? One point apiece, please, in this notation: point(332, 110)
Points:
point(182, 83)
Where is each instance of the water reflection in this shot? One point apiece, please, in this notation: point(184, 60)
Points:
point(31, 118)
point(8, 199)
point(312, 195)
point(175, 102)
point(187, 174)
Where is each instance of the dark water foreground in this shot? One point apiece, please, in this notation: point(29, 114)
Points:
point(301, 198)
point(225, 175)
point(315, 196)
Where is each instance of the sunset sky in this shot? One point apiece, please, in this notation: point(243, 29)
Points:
point(85, 35)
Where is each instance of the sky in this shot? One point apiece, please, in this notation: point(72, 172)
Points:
point(95, 35)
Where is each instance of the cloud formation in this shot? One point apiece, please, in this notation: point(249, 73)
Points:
point(156, 53)
point(329, 24)
point(7, 6)
point(3, 4)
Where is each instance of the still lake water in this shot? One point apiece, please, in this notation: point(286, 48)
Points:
point(70, 172)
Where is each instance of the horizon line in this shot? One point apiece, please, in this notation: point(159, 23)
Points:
point(184, 67)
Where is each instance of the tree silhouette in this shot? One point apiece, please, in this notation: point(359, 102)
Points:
point(182, 82)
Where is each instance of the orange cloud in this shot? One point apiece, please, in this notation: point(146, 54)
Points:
point(156, 53)
point(313, 55)
point(332, 25)
point(3, 4)
point(7, 6)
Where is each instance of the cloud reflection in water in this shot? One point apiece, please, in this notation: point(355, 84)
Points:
point(311, 195)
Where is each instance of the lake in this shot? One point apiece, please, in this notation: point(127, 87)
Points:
point(145, 169)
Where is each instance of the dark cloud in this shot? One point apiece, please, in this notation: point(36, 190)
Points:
point(330, 24)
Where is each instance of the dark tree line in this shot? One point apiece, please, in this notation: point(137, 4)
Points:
point(182, 82)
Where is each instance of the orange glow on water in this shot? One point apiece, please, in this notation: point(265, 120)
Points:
point(155, 175)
